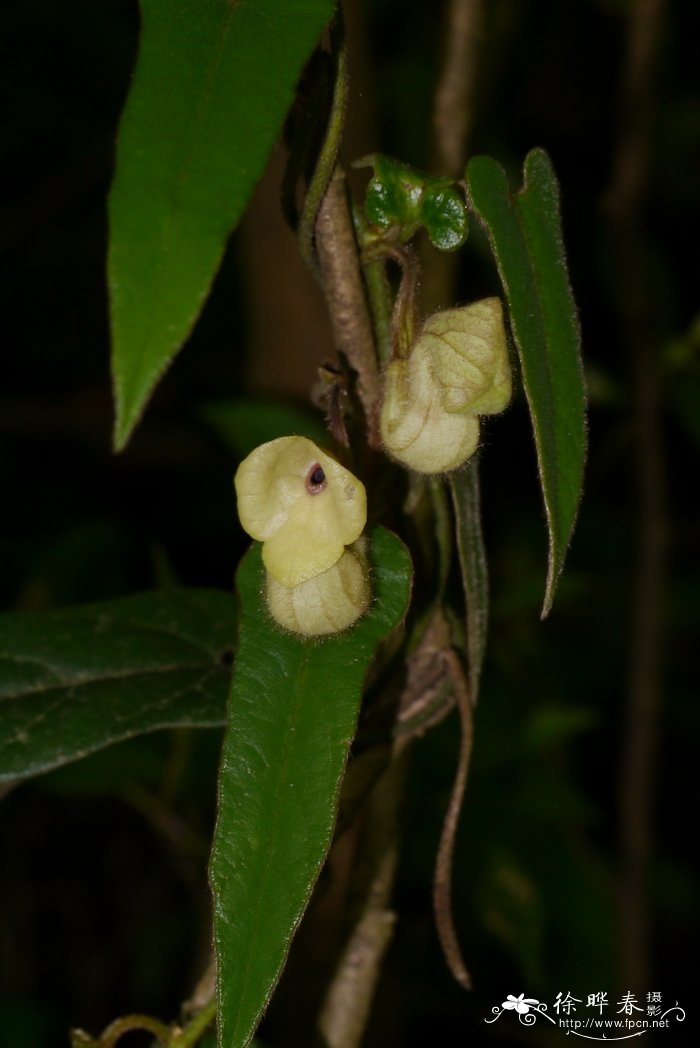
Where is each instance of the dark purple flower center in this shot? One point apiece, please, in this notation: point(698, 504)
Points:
point(315, 479)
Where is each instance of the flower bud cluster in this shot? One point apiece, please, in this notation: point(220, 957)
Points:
point(309, 513)
point(456, 370)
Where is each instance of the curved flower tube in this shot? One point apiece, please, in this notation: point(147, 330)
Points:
point(416, 428)
point(327, 603)
point(456, 370)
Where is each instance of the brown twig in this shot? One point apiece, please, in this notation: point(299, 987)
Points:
point(328, 155)
point(453, 110)
point(344, 1015)
point(442, 887)
point(346, 1008)
point(345, 294)
point(453, 120)
point(435, 683)
point(426, 700)
point(637, 310)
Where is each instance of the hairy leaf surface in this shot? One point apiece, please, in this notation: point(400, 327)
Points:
point(213, 83)
point(466, 499)
point(292, 716)
point(525, 234)
point(77, 679)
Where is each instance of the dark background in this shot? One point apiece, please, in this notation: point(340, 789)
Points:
point(103, 871)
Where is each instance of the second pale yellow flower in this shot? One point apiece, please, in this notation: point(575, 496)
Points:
point(456, 370)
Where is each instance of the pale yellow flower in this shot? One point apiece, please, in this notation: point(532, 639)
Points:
point(456, 370)
point(327, 603)
point(302, 505)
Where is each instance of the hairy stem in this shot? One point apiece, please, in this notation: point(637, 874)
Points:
point(453, 118)
point(443, 532)
point(466, 500)
point(116, 1030)
point(189, 1036)
point(328, 155)
point(345, 294)
point(378, 293)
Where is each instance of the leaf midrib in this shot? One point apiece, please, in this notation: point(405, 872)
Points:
point(80, 682)
point(301, 672)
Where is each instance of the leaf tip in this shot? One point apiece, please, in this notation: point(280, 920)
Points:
point(548, 601)
point(127, 416)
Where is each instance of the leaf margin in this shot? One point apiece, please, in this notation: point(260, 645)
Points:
point(538, 176)
point(212, 229)
point(307, 649)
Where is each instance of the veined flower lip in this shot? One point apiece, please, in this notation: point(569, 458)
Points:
point(304, 527)
point(328, 603)
point(456, 370)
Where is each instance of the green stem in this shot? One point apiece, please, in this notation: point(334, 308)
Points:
point(443, 530)
point(404, 322)
point(404, 310)
point(196, 1027)
point(378, 292)
point(466, 500)
point(126, 1024)
point(325, 165)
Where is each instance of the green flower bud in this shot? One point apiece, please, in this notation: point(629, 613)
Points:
point(456, 370)
point(301, 504)
point(328, 603)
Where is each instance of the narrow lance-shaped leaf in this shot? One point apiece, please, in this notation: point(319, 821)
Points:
point(77, 679)
point(293, 710)
point(525, 234)
point(466, 499)
point(213, 83)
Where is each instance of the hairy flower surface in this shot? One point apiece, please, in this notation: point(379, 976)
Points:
point(470, 357)
point(416, 428)
point(328, 603)
point(456, 370)
point(301, 504)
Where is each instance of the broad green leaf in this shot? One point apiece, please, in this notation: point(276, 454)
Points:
point(77, 679)
point(292, 716)
point(466, 499)
point(213, 83)
point(525, 234)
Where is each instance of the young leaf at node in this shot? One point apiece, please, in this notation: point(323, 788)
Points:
point(444, 215)
point(400, 200)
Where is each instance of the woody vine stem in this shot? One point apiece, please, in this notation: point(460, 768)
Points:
point(329, 243)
